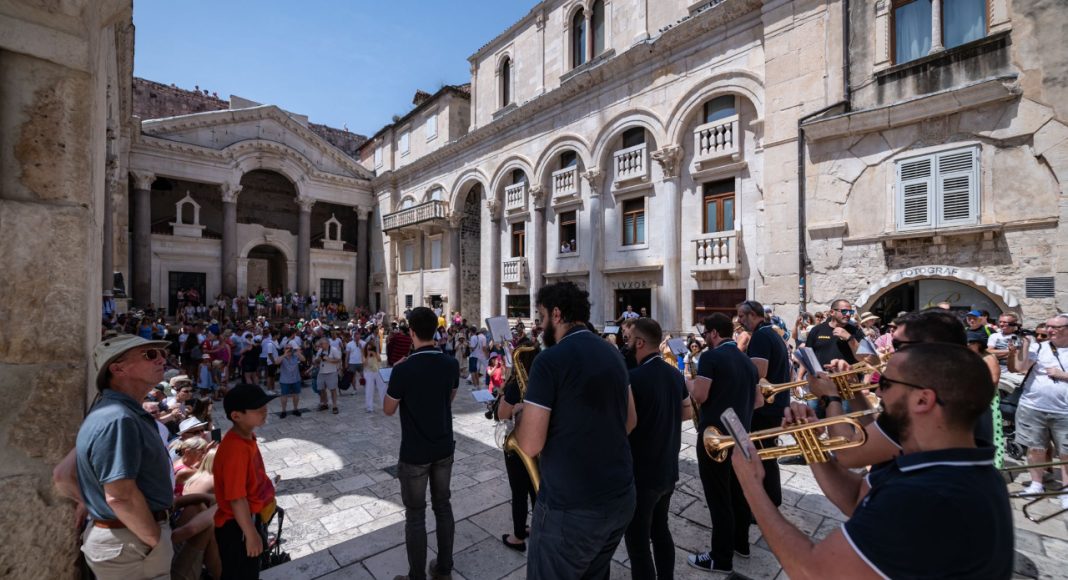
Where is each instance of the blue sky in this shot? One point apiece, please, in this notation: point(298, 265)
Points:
point(354, 63)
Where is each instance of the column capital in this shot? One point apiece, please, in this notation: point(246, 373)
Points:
point(363, 213)
point(595, 177)
point(493, 206)
point(143, 179)
point(539, 21)
point(229, 192)
point(538, 196)
point(455, 219)
point(305, 203)
point(668, 157)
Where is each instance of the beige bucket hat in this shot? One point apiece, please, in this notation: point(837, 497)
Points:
point(112, 348)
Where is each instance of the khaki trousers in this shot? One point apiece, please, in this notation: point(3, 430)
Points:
point(119, 554)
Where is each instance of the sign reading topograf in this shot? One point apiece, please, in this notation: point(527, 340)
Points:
point(632, 284)
point(929, 271)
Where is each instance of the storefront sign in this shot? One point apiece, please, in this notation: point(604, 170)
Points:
point(632, 284)
point(922, 271)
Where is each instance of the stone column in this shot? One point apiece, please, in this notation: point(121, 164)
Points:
point(936, 27)
point(229, 192)
point(670, 292)
point(594, 178)
point(304, 247)
point(496, 289)
point(454, 261)
point(536, 259)
point(474, 98)
point(141, 269)
point(539, 23)
point(589, 39)
point(363, 216)
point(107, 266)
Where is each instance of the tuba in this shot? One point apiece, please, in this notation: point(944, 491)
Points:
point(510, 445)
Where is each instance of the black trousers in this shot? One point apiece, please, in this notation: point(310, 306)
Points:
point(727, 507)
point(772, 480)
point(650, 522)
point(522, 488)
point(236, 565)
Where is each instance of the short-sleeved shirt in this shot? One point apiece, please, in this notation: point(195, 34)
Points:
point(765, 343)
point(325, 366)
point(1000, 341)
point(424, 384)
point(355, 351)
point(1041, 391)
point(289, 370)
point(239, 473)
point(827, 346)
point(586, 461)
point(734, 378)
point(935, 514)
point(119, 440)
point(659, 391)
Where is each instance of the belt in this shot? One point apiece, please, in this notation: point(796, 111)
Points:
point(160, 516)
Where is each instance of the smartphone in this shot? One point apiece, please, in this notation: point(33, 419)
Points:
point(737, 431)
point(216, 435)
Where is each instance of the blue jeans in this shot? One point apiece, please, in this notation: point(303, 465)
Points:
point(413, 483)
point(577, 543)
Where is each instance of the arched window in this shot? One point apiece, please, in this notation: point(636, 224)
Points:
point(407, 203)
point(506, 81)
point(518, 176)
point(719, 108)
point(568, 159)
point(578, 39)
point(633, 136)
point(597, 26)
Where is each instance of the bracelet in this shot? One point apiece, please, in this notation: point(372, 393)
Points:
point(825, 401)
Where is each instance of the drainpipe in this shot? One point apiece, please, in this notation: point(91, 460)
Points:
point(802, 219)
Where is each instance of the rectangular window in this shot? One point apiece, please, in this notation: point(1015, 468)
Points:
point(403, 143)
point(378, 156)
point(408, 260)
point(719, 108)
point(718, 206)
point(408, 301)
point(963, 21)
point(519, 239)
point(432, 126)
point(912, 29)
point(634, 222)
point(568, 232)
point(378, 301)
point(938, 190)
point(331, 290)
point(435, 254)
point(517, 305)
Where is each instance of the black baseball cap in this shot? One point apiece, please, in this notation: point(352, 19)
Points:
point(245, 397)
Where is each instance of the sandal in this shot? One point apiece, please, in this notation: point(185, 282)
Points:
point(335, 410)
point(517, 547)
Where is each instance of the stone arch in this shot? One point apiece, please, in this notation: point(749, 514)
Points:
point(739, 82)
point(289, 253)
point(555, 148)
point(462, 184)
point(505, 169)
point(290, 164)
point(405, 198)
point(643, 118)
point(429, 191)
point(1000, 295)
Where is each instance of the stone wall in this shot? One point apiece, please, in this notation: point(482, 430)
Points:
point(471, 259)
point(53, 135)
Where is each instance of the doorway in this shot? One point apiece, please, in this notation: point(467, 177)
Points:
point(706, 302)
point(637, 299)
point(183, 281)
point(266, 270)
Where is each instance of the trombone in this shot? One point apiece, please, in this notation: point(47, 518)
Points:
point(809, 441)
point(1035, 498)
point(849, 383)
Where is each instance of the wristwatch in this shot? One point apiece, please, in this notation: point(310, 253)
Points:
point(825, 401)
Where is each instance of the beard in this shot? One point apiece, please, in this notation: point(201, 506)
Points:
point(895, 422)
point(548, 334)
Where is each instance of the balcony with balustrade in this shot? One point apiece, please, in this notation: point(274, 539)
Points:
point(717, 142)
point(435, 211)
point(514, 271)
point(565, 183)
point(515, 198)
point(631, 165)
point(716, 252)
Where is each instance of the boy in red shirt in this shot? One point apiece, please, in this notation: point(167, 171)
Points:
point(243, 492)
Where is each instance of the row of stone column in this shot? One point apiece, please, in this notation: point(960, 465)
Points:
point(141, 266)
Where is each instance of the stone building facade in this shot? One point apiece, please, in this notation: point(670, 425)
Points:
point(943, 175)
point(645, 150)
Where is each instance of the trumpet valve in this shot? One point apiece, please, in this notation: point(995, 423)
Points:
point(717, 444)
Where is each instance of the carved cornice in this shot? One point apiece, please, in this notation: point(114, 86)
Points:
point(143, 179)
point(668, 157)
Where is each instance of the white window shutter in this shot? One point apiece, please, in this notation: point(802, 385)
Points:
point(958, 191)
point(915, 189)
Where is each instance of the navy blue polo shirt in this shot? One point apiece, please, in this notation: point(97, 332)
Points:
point(734, 378)
point(935, 514)
point(119, 440)
point(765, 343)
point(586, 461)
point(659, 391)
point(827, 346)
point(423, 384)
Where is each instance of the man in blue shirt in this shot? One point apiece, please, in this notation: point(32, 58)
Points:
point(124, 470)
point(578, 412)
point(939, 510)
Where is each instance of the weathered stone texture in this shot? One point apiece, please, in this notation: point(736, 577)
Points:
point(37, 535)
point(31, 392)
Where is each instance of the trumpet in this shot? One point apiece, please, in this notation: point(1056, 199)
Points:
point(810, 443)
point(849, 383)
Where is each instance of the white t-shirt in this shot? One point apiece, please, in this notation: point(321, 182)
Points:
point(476, 344)
point(629, 315)
point(999, 341)
point(336, 343)
point(269, 349)
point(326, 367)
point(355, 351)
point(1040, 390)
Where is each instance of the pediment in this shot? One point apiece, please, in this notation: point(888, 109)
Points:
point(265, 125)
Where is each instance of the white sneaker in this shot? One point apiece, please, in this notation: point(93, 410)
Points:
point(1035, 487)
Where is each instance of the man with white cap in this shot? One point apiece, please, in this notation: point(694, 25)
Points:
point(124, 470)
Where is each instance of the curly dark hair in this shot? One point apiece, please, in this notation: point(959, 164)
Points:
point(573, 302)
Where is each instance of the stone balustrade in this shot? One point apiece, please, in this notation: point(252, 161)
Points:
point(716, 140)
point(424, 212)
point(515, 197)
point(631, 163)
point(565, 182)
point(716, 251)
point(514, 271)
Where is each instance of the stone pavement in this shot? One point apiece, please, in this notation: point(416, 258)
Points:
point(344, 517)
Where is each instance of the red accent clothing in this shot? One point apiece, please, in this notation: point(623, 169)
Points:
point(239, 473)
point(496, 379)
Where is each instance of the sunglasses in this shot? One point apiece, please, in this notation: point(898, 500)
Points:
point(1041, 336)
point(885, 383)
point(154, 353)
point(847, 311)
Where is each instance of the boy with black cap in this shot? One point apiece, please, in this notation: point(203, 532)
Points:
point(243, 492)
